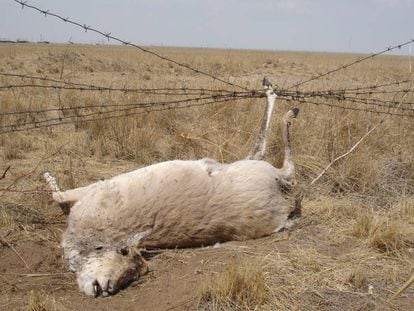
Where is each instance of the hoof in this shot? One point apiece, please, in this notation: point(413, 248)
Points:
point(266, 83)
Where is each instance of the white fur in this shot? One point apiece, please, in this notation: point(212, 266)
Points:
point(170, 204)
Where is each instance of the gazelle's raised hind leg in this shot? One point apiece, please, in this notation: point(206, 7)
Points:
point(259, 149)
point(288, 168)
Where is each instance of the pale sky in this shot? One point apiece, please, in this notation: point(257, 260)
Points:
point(309, 25)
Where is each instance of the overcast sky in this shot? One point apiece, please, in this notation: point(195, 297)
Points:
point(310, 25)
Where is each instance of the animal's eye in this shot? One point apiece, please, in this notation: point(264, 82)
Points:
point(98, 248)
point(124, 251)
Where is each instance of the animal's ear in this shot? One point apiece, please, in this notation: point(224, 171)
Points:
point(142, 266)
point(140, 260)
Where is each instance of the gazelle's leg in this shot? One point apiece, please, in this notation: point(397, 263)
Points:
point(288, 168)
point(66, 196)
point(287, 178)
point(259, 149)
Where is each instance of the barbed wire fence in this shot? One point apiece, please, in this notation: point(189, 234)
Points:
point(200, 97)
point(362, 97)
point(353, 95)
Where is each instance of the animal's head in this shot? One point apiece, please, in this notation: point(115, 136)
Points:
point(105, 272)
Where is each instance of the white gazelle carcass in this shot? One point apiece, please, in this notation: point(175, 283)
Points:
point(172, 204)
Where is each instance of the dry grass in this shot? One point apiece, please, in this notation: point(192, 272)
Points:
point(381, 233)
point(7, 221)
point(389, 232)
point(15, 148)
point(354, 244)
point(242, 286)
point(39, 301)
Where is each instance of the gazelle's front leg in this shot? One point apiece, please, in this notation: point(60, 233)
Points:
point(259, 149)
point(64, 198)
point(51, 181)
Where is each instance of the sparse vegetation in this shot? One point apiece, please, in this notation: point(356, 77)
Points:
point(242, 286)
point(351, 250)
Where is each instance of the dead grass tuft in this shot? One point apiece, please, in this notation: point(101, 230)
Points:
point(364, 226)
point(40, 301)
point(389, 238)
point(357, 278)
point(381, 233)
point(16, 147)
point(242, 286)
point(6, 220)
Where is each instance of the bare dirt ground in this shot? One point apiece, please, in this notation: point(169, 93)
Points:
point(351, 249)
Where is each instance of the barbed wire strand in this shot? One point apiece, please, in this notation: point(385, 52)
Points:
point(201, 91)
point(178, 92)
point(104, 116)
point(92, 87)
point(345, 66)
point(372, 101)
point(372, 89)
point(109, 36)
point(362, 100)
point(365, 88)
point(175, 105)
point(131, 106)
point(307, 101)
point(63, 109)
point(339, 97)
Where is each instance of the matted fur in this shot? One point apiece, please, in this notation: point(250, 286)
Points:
point(180, 203)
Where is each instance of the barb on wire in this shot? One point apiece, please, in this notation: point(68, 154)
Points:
point(109, 36)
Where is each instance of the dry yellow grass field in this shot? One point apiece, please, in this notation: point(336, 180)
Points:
point(352, 248)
